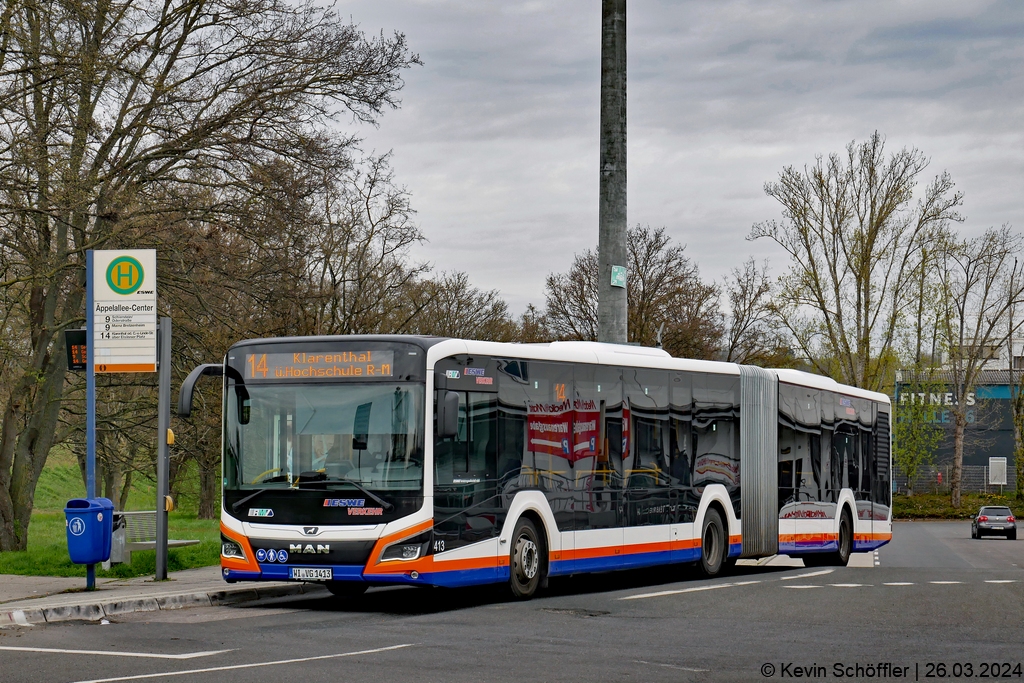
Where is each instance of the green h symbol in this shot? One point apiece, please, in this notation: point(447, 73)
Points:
point(124, 275)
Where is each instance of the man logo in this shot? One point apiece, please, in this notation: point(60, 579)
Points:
point(308, 549)
point(311, 530)
point(124, 275)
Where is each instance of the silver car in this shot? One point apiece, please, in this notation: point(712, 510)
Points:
point(994, 521)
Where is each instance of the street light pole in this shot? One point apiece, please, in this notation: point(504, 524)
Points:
point(612, 250)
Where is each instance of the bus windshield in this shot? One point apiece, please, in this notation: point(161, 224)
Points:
point(280, 436)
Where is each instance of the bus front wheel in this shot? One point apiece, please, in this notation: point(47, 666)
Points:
point(526, 565)
point(712, 543)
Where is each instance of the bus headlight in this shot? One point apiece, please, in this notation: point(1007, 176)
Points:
point(230, 548)
point(405, 550)
point(402, 551)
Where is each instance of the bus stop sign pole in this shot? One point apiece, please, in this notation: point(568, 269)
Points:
point(163, 451)
point(90, 402)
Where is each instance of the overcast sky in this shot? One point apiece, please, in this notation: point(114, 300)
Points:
point(497, 137)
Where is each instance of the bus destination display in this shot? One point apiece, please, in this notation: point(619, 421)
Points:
point(321, 365)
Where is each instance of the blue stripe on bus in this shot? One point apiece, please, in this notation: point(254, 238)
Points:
point(626, 561)
point(808, 546)
point(281, 572)
point(455, 578)
point(735, 550)
point(862, 546)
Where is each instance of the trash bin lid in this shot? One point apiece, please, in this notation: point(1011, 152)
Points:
point(87, 504)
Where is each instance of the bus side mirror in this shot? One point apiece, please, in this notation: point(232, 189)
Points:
point(447, 414)
point(188, 387)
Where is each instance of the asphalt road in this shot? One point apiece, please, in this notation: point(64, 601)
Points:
point(935, 596)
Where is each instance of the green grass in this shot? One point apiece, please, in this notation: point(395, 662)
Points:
point(937, 506)
point(47, 553)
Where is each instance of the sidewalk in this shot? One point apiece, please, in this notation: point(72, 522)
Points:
point(26, 600)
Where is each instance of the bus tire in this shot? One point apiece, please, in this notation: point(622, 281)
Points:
point(713, 549)
point(346, 589)
point(526, 564)
point(841, 557)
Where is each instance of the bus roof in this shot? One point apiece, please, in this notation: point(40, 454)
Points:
point(578, 352)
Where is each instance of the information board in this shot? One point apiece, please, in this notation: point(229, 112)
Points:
point(357, 364)
point(124, 310)
point(77, 347)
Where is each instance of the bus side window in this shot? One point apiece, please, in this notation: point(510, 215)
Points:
point(716, 429)
point(680, 419)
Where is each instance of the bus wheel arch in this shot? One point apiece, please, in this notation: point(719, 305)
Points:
point(528, 556)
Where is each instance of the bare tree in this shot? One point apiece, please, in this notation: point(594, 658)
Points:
point(571, 310)
point(105, 109)
point(666, 294)
point(360, 262)
point(752, 333)
point(454, 308)
point(852, 231)
point(980, 281)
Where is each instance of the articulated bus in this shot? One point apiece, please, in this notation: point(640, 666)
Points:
point(371, 460)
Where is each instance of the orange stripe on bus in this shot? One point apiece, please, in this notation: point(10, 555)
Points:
point(429, 564)
point(385, 541)
point(797, 538)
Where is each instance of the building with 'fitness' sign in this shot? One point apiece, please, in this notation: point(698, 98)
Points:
point(989, 429)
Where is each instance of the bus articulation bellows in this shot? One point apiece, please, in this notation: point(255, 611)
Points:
point(373, 460)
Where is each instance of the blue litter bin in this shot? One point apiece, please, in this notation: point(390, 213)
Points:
point(89, 529)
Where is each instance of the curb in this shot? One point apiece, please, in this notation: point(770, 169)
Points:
point(94, 611)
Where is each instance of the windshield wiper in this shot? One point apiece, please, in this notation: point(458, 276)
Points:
point(344, 480)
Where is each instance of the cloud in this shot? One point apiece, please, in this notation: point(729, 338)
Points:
point(497, 138)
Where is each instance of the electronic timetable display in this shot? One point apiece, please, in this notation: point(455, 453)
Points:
point(356, 364)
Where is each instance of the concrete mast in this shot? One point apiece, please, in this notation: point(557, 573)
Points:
point(611, 290)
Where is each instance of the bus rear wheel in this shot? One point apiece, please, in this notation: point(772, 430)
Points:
point(841, 556)
point(713, 548)
point(346, 589)
point(526, 564)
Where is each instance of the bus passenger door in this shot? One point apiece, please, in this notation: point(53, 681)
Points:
point(597, 468)
point(648, 495)
point(467, 508)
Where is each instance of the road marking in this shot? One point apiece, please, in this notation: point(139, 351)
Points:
point(146, 655)
point(248, 666)
point(804, 576)
point(945, 583)
point(900, 583)
point(801, 586)
point(671, 666)
point(745, 583)
point(677, 592)
point(1000, 580)
point(850, 585)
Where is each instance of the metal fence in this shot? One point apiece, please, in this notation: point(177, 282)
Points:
point(936, 480)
